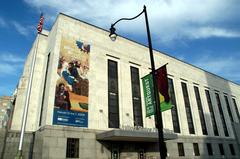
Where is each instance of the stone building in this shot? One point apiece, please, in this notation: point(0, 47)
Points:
point(87, 101)
point(6, 108)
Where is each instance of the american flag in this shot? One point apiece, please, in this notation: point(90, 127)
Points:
point(40, 24)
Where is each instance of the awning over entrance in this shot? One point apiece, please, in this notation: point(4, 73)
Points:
point(133, 135)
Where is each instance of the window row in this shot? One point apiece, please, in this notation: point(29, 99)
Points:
point(209, 148)
point(72, 149)
point(113, 103)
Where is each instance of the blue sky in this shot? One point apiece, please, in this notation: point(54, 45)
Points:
point(205, 33)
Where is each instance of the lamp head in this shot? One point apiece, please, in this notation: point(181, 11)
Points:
point(112, 34)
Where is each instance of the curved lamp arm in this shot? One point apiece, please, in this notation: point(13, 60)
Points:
point(158, 115)
point(113, 34)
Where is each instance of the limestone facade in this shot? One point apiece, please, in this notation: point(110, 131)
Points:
point(50, 140)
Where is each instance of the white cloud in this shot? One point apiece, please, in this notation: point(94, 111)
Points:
point(9, 69)
point(227, 67)
point(9, 57)
point(169, 20)
point(21, 29)
point(206, 32)
point(2, 22)
point(10, 64)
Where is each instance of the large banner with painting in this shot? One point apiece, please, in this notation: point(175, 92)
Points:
point(71, 96)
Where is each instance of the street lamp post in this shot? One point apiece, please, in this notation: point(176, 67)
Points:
point(158, 114)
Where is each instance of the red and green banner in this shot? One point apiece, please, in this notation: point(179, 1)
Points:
point(162, 84)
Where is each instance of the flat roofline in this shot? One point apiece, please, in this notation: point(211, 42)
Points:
point(162, 52)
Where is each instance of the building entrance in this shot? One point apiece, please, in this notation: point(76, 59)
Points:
point(115, 153)
point(141, 154)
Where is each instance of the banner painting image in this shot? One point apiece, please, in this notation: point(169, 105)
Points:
point(71, 96)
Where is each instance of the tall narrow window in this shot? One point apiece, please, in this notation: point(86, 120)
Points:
point(44, 88)
point(228, 108)
point(188, 109)
point(181, 149)
point(113, 101)
point(136, 97)
point(236, 109)
point(200, 111)
point(209, 148)
point(175, 120)
point(214, 124)
point(196, 149)
point(232, 150)
point(221, 149)
point(221, 114)
point(72, 148)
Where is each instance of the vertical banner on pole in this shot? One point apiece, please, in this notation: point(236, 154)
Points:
point(163, 91)
point(162, 84)
point(148, 95)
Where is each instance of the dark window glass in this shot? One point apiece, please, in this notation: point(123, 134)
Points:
point(228, 108)
point(72, 148)
point(221, 149)
point(200, 111)
point(236, 109)
point(180, 149)
point(214, 124)
point(221, 114)
point(209, 148)
point(196, 149)
point(232, 149)
point(44, 88)
point(136, 97)
point(188, 108)
point(113, 101)
point(175, 120)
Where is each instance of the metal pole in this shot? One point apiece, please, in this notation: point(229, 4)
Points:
point(25, 112)
point(158, 113)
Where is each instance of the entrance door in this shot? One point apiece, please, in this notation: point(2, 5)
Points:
point(141, 154)
point(115, 153)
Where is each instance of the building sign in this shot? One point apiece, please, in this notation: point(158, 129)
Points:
point(144, 129)
point(70, 118)
point(71, 96)
point(148, 94)
point(138, 128)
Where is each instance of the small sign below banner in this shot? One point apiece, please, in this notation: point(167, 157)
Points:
point(148, 94)
point(70, 118)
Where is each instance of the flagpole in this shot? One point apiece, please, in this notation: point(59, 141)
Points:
point(29, 87)
point(26, 106)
